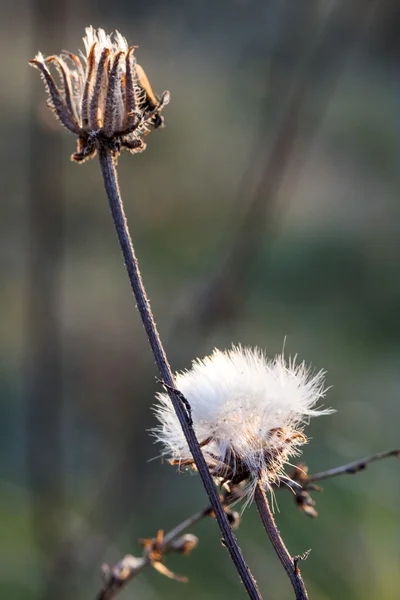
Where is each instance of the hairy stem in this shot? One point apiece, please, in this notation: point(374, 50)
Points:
point(289, 563)
point(111, 184)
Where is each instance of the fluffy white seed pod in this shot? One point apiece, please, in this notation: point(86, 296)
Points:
point(248, 413)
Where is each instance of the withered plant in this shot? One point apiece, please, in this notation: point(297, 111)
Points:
point(109, 104)
point(238, 441)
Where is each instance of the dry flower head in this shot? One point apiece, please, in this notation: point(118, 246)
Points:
point(248, 414)
point(104, 97)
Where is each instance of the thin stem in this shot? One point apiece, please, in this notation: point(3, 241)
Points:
point(129, 567)
point(120, 575)
point(353, 467)
point(111, 184)
point(289, 563)
point(189, 522)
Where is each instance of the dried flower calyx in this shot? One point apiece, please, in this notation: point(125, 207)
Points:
point(302, 488)
point(156, 548)
point(106, 101)
point(248, 414)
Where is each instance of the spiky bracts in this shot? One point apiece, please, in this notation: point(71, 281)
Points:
point(105, 101)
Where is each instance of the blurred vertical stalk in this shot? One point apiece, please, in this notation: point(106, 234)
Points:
point(330, 39)
point(44, 390)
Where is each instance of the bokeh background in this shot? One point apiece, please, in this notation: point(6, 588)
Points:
point(266, 212)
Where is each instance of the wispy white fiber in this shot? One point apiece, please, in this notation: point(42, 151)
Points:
point(115, 42)
point(248, 413)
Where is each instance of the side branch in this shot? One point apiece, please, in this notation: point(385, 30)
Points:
point(301, 483)
point(111, 184)
point(118, 576)
point(353, 467)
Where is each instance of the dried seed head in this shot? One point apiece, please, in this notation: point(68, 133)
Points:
point(248, 414)
point(185, 544)
point(233, 518)
point(105, 98)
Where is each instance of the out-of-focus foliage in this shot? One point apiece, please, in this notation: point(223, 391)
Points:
point(77, 376)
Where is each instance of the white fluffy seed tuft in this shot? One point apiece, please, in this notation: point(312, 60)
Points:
point(248, 413)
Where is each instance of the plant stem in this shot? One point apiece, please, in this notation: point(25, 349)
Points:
point(353, 467)
point(189, 522)
point(129, 567)
point(111, 184)
point(289, 563)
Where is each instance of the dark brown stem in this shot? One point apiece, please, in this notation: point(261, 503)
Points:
point(111, 184)
point(289, 563)
point(353, 467)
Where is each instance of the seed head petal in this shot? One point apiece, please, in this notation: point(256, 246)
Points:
point(104, 101)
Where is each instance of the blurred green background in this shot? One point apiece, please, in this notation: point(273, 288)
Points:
point(266, 212)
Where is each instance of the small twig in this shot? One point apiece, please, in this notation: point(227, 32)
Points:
point(109, 172)
point(181, 398)
point(117, 577)
point(299, 557)
point(301, 483)
point(121, 574)
point(289, 564)
point(351, 468)
point(189, 522)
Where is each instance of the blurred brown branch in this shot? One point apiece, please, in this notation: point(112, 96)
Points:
point(219, 296)
point(155, 549)
point(353, 467)
point(44, 381)
point(304, 483)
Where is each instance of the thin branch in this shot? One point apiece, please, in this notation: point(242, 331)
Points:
point(353, 467)
point(189, 522)
point(120, 575)
point(111, 184)
point(289, 564)
point(129, 567)
point(301, 483)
